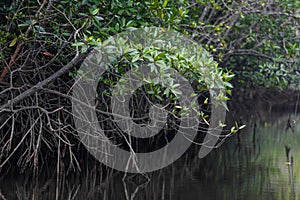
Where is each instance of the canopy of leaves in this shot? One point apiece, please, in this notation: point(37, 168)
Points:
point(258, 40)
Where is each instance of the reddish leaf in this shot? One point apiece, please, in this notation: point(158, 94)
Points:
point(47, 54)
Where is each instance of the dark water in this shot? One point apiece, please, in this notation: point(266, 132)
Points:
point(257, 168)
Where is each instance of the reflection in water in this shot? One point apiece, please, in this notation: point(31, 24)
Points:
point(262, 163)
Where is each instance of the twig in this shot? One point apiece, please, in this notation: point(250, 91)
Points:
point(19, 144)
point(2, 197)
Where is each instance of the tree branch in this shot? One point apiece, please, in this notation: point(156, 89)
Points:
point(76, 60)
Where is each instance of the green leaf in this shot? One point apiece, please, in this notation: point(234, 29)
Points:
point(84, 48)
point(167, 91)
point(165, 3)
point(99, 18)
point(23, 25)
point(241, 127)
point(176, 92)
point(135, 58)
point(233, 130)
point(39, 28)
point(13, 42)
point(158, 97)
point(153, 68)
point(95, 12)
point(148, 57)
point(76, 44)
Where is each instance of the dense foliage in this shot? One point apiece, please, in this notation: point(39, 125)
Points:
point(258, 40)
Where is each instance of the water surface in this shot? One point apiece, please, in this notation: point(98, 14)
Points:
point(257, 168)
